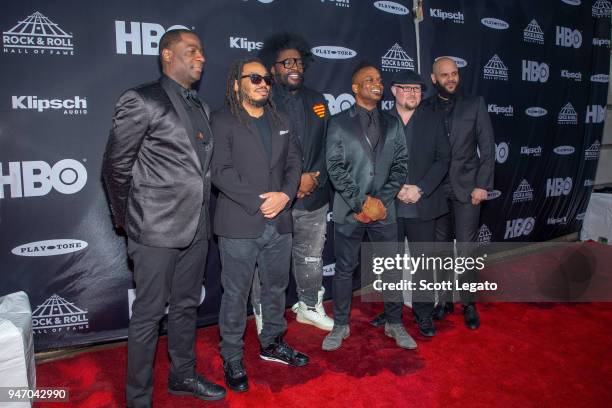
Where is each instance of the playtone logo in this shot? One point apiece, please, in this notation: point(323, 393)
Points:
point(245, 44)
point(38, 35)
point(601, 78)
point(564, 150)
point(333, 52)
point(494, 23)
point(38, 178)
point(50, 247)
point(72, 106)
point(142, 37)
point(392, 7)
point(536, 112)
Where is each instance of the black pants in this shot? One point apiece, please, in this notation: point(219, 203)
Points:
point(163, 275)
point(272, 254)
point(347, 244)
point(418, 231)
point(461, 223)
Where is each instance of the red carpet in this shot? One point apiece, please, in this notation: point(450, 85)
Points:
point(523, 355)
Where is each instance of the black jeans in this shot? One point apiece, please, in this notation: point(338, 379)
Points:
point(461, 223)
point(347, 245)
point(418, 231)
point(163, 275)
point(272, 253)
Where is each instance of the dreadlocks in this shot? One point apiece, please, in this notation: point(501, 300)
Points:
point(234, 100)
point(276, 43)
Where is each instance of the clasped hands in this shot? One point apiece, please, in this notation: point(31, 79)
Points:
point(308, 183)
point(373, 210)
point(273, 204)
point(409, 194)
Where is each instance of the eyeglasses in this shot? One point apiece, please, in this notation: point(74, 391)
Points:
point(256, 79)
point(291, 62)
point(409, 89)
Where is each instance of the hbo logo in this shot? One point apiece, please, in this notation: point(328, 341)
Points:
point(535, 72)
point(566, 37)
point(37, 178)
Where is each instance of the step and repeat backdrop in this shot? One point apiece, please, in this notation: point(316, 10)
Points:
point(541, 66)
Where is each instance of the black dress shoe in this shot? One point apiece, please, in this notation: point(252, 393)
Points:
point(379, 320)
point(196, 386)
point(470, 315)
point(442, 309)
point(426, 326)
point(236, 376)
point(280, 352)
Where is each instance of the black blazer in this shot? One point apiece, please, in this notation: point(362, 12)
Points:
point(471, 129)
point(155, 168)
point(355, 171)
point(428, 161)
point(241, 171)
point(313, 144)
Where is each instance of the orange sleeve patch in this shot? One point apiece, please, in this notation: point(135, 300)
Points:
point(319, 110)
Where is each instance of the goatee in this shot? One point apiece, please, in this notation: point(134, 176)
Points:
point(444, 93)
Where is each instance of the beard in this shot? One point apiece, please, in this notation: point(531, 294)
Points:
point(443, 92)
point(284, 81)
point(409, 106)
point(258, 103)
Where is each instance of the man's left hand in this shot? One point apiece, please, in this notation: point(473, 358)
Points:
point(478, 195)
point(413, 193)
point(273, 204)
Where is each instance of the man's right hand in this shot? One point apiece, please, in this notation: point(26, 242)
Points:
point(308, 183)
point(374, 209)
point(361, 217)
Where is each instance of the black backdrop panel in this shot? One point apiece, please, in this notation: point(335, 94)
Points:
point(65, 63)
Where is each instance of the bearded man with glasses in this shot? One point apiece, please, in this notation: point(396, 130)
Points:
point(287, 55)
point(257, 167)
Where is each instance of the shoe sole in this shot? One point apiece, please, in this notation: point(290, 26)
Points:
point(191, 394)
point(404, 347)
point(300, 319)
point(276, 360)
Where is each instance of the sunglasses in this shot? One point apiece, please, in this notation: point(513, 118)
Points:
point(256, 79)
point(290, 62)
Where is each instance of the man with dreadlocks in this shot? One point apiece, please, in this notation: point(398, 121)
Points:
point(286, 55)
point(256, 166)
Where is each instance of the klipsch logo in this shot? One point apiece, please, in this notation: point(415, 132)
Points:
point(333, 52)
point(494, 23)
point(601, 42)
point(523, 192)
point(576, 76)
point(142, 37)
point(339, 3)
point(50, 247)
point(531, 151)
point(37, 34)
point(558, 186)
point(57, 315)
point(387, 105)
point(519, 227)
point(592, 153)
point(340, 103)
point(533, 33)
point(495, 69)
point(601, 8)
point(244, 43)
point(396, 59)
point(536, 112)
point(37, 178)
point(501, 110)
point(71, 106)
point(484, 235)
point(556, 221)
point(568, 37)
point(534, 71)
point(564, 150)
point(455, 17)
point(567, 115)
point(392, 7)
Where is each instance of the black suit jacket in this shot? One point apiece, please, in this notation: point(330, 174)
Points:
point(312, 145)
point(471, 129)
point(428, 161)
point(355, 171)
point(241, 171)
point(155, 168)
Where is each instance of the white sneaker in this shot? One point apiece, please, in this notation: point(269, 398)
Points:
point(258, 319)
point(313, 317)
